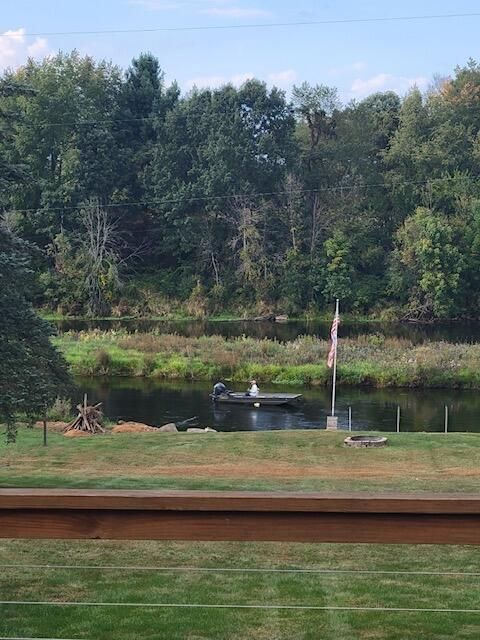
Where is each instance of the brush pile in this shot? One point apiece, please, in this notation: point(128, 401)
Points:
point(88, 420)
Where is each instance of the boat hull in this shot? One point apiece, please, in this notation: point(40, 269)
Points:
point(263, 400)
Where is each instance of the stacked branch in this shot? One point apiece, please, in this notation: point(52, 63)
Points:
point(88, 419)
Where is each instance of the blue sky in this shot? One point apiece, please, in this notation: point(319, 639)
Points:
point(357, 58)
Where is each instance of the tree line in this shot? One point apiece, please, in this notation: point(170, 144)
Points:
point(131, 194)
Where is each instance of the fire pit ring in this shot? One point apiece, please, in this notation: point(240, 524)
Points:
point(365, 441)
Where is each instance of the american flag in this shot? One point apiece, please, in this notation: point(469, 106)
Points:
point(333, 337)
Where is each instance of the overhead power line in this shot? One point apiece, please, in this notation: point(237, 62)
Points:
point(233, 196)
point(265, 25)
point(475, 108)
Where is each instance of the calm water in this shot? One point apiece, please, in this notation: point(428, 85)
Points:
point(156, 403)
point(452, 332)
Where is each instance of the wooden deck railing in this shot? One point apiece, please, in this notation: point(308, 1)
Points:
point(208, 515)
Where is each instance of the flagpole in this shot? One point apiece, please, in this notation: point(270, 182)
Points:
point(335, 363)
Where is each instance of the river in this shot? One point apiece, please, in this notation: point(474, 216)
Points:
point(157, 402)
point(451, 332)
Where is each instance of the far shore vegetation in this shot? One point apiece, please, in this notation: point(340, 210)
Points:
point(240, 315)
point(240, 200)
point(371, 360)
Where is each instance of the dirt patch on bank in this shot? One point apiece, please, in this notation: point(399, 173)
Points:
point(57, 425)
point(133, 427)
point(268, 470)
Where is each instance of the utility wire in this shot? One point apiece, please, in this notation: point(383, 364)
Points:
point(265, 25)
point(231, 196)
point(114, 121)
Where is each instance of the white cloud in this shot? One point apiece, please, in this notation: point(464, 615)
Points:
point(235, 12)
point(14, 48)
point(386, 82)
point(219, 8)
point(202, 82)
point(283, 79)
point(240, 78)
point(347, 68)
point(39, 48)
point(213, 82)
point(159, 5)
point(358, 66)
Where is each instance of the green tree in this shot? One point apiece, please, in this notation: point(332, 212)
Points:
point(324, 192)
point(427, 266)
point(142, 104)
point(32, 372)
point(214, 143)
point(64, 137)
point(338, 268)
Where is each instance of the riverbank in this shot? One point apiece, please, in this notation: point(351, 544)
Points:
point(366, 360)
point(275, 460)
point(239, 316)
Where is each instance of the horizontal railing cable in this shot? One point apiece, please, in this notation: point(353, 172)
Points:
point(188, 605)
point(69, 567)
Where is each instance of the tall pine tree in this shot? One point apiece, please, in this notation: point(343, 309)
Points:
point(32, 372)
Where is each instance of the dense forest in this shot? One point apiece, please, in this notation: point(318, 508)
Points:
point(137, 200)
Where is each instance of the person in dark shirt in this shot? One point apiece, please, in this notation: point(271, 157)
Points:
point(219, 389)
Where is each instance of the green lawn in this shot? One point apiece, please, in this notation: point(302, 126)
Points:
point(307, 460)
point(296, 460)
point(245, 588)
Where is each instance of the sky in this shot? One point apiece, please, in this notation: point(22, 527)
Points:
point(357, 58)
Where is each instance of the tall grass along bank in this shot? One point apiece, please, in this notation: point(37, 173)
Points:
point(365, 360)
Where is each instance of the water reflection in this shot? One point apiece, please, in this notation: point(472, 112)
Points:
point(452, 332)
point(156, 403)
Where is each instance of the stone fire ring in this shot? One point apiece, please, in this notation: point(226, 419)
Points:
point(365, 441)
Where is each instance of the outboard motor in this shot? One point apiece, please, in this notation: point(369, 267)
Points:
point(218, 390)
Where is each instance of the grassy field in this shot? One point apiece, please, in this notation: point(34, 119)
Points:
point(134, 585)
point(304, 460)
point(307, 460)
point(365, 360)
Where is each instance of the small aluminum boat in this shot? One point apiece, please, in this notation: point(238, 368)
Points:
point(262, 400)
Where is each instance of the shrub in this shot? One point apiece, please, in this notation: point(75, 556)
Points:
point(61, 410)
point(147, 365)
point(103, 360)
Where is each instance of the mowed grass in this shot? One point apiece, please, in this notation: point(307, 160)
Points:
point(144, 572)
point(144, 575)
point(275, 460)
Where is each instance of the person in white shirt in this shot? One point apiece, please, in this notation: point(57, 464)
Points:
point(254, 390)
